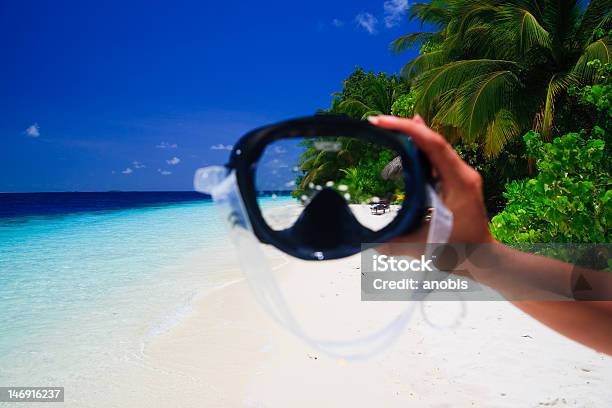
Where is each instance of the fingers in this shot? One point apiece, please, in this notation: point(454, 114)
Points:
point(418, 119)
point(442, 156)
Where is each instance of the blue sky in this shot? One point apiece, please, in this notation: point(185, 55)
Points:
point(137, 95)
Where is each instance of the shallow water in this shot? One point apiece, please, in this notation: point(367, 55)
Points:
point(82, 291)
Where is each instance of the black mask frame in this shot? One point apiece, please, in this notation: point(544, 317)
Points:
point(320, 233)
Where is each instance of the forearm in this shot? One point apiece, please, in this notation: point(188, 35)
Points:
point(587, 322)
point(518, 275)
point(549, 290)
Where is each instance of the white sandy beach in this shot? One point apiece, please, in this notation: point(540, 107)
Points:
point(229, 353)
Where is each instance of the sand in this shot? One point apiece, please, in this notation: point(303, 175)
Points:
point(229, 353)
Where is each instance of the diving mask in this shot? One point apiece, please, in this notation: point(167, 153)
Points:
point(320, 187)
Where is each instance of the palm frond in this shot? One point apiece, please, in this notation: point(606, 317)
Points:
point(424, 63)
point(481, 99)
point(523, 29)
point(560, 19)
point(405, 42)
point(446, 113)
point(478, 40)
point(557, 84)
point(430, 85)
point(595, 16)
point(605, 25)
point(381, 96)
point(503, 128)
point(308, 164)
point(474, 106)
point(474, 14)
point(353, 107)
point(436, 12)
point(321, 158)
point(601, 50)
point(371, 113)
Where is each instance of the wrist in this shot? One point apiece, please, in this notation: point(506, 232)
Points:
point(484, 260)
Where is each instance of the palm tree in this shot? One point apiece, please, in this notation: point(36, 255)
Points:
point(356, 161)
point(493, 69)
point(381, 100)
point(363, 94)
point(367, 93)
point(320, 166)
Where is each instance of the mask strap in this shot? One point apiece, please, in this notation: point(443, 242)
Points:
point(440, 228)
point(441, 223)
point(264, 285)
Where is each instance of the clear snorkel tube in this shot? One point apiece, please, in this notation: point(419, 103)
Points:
point(220, 182)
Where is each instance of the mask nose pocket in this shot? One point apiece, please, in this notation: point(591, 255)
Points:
point(327, 222)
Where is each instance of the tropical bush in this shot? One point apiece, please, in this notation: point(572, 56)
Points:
point(570, 198)
point(404, 105)
point(492, 70)
point(598, 95)
point(495, 173)
point(364, 181)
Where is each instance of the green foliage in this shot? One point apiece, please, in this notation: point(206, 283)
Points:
point(366, 93)
point(319, 166)
point(490, 70)
point(356, 164)
point(404, 105)
point(570, 198)
point(568, 201)
point(587, 107)
point(600, 94)
point(509, 165)
point(364, 180)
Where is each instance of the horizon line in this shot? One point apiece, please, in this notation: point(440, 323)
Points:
point(127, 191)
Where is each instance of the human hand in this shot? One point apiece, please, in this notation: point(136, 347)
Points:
point(461, 184)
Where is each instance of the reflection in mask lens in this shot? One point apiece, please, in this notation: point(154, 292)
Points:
point(292, 172)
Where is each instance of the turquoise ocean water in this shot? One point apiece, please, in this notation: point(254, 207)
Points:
point(90, 288)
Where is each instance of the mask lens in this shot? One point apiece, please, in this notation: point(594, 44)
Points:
point(292, 173)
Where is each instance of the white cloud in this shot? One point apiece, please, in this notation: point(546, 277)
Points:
point(337, 23)
point(33, 130)
point(367, 21)
point(166, 145)
point(164, 172)
point(127, 171)
point(394, 11)
point(279, 150)
point(221, 147)
point(138, 165)
point(173, 161)
point(275, 163)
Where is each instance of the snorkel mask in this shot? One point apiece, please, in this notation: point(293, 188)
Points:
point(322, 188)
point(333, 169)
